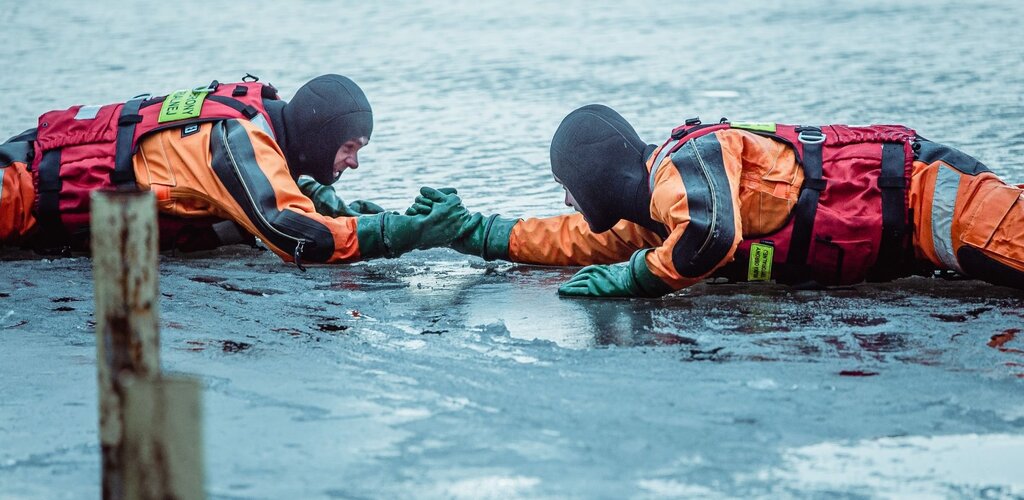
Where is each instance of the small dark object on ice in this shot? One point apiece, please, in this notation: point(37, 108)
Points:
point(330, 327)
point(857, 373)
point(234, 346)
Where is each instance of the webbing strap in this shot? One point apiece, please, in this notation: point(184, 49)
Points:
point(123, 176)
point(806, 208)
point(20, 151)
point(247, 111)
point(893, 184)
point(49, 191)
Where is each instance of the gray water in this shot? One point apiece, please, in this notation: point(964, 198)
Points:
point(440, 376)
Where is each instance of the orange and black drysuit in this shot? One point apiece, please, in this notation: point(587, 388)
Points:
point(827, 205)
point(226, 162)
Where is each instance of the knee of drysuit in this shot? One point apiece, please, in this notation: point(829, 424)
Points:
point(989, 231)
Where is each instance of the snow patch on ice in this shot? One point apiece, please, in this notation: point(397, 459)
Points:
point(911, 466)
point(411, 344)
point(1012, 413)
point(411, 330)
point(720, 94)
point(526, 360)
point(403, 415)
point(674, 489)
point(492, 487)
point(763, 384)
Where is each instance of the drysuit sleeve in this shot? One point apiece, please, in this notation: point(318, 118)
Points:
point(696, 195)
point(566, 240)
point(256, 190)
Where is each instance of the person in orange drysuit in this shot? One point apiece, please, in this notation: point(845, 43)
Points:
point(226, 152)
point(757, 202)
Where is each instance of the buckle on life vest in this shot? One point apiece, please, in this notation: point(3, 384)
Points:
point(680, 131)
point(810, 135)
point(211, 88)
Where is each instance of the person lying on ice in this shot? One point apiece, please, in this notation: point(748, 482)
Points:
point(225, 152)
point(828, 205)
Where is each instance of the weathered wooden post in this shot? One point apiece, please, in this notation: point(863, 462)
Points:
point(161, 438)
point(124, 254)
point(124, 265)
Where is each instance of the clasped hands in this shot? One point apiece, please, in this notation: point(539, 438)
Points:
point(437, 218)
point(469, 233)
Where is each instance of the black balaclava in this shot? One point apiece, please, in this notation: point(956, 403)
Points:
point(324, 113)
point(600, 159)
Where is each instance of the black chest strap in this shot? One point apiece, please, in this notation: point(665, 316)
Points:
point(123, 176)
point(893, 184)
point(806, 207)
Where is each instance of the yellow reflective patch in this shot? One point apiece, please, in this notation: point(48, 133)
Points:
point(760, 267)
point(181, 105)
point(755, 126)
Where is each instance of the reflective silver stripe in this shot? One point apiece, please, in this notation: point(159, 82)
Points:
point(943, 203)
point(2, 171)
point(657, 163)
point(262, 123)
point(87, 112)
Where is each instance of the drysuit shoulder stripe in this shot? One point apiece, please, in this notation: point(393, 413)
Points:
point(235, 164)
point(708, 238)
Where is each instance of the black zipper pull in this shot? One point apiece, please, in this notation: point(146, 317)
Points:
point(297, 255)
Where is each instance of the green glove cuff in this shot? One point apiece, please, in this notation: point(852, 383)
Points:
point(370, 233)
point(647, 284)
point(497, 233)
point(325, 199)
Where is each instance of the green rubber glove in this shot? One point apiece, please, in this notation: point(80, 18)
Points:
point(632, 279)
point(483, 236)
point(391, 234)
point(327, 202)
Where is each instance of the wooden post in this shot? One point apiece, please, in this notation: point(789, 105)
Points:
point(124, 256)
point(162, 436)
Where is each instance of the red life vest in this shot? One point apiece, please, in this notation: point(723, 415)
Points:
point(851, 220)
point(85, 148)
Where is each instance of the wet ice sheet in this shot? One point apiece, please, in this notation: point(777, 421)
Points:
point(412, 377)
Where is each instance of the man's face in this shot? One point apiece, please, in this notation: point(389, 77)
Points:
point(569, 200)
point(348, 156)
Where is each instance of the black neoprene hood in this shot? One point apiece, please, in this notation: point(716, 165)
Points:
point(324, 113)
point(599, 158)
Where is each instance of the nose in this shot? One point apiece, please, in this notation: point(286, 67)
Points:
point(353, 161)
